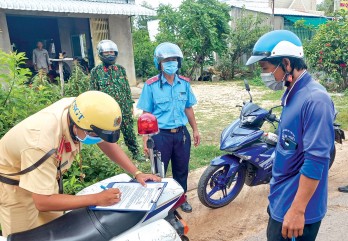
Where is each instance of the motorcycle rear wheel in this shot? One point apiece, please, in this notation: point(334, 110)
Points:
point(214, 182)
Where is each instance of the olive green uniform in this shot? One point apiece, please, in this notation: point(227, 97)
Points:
point(113, 81)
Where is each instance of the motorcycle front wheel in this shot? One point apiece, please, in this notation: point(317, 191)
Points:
point(215, 190)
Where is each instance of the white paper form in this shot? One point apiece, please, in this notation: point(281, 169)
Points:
point(135, 197)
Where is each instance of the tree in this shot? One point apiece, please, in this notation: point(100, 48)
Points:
point(327, 6)
point(246, 31)
point(142, 46)
point(140, 22)
point(199, 27)
point(327, 50)
point(143, 54)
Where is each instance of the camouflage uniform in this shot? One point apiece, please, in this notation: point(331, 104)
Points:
point(113, 81)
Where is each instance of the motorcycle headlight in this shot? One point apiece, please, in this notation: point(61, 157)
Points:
point(248, 119)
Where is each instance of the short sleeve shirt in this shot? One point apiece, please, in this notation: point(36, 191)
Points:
point(167, 102)
point(31, 139)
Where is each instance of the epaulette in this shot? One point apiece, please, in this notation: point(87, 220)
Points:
point(152, 80)
point(184, 78)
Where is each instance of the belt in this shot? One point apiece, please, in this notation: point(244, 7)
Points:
point(174, 130)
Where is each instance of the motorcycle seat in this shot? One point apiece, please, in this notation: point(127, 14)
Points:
point(81, 225)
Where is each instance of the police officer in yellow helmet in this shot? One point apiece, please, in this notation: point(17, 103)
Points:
point(35, 153)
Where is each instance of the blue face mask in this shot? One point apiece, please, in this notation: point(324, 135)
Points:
point(89, 140)
point(170, 67)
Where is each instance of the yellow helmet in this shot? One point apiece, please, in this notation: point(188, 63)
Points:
point(98, 112)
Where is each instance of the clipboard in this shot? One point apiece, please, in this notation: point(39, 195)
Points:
point(135, 197)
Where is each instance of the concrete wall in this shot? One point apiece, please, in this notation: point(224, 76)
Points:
point(300, 5)
point(5, 44)
point(278, 20)
point(72, 26)
point(120, 33)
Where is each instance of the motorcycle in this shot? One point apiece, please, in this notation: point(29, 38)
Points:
point(250, 155)
point(160, 223)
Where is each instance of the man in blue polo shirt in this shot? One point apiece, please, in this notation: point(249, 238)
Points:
point(169, 97)
point(298, 189)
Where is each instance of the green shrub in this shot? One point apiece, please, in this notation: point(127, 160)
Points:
point(327, 52)
point(77, 83)
point(18, 100)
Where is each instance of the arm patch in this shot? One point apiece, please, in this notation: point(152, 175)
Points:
point(152, 80)
point(184, 78)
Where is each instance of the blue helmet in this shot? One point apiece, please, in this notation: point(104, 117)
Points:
point(277, 43)
point(167, 50)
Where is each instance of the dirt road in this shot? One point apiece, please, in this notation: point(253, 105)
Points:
point(245, 218)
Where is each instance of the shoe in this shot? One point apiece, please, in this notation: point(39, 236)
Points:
point(343, 189)
point(139, 158)
point(186, 207)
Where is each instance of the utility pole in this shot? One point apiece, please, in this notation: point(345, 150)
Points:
point(272, 17)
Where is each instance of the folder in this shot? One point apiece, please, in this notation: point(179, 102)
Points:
point(135, 197)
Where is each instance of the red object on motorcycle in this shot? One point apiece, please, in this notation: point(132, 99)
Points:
point(147, 124)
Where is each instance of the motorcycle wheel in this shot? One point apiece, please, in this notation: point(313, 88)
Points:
point(215, 190)
point(332, 156)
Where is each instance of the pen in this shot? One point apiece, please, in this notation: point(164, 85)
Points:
point(103, 187)
point(293, 238)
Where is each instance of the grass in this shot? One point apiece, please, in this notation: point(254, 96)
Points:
point(341, 106)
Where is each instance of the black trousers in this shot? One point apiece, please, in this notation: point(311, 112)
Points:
point(175, 147)
point(274, 231)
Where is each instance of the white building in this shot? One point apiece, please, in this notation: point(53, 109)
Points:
point(75, 27)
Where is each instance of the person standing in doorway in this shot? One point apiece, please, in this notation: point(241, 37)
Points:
point(169, 97)
point(41, 59)
point(111, 78)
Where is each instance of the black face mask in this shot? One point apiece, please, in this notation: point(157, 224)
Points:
point(109, 59)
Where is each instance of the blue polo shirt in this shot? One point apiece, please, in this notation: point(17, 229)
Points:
point(167, 102)
point(306, 137)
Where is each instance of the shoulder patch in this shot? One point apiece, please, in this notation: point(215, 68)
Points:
point(152, 80)
point(184, 78)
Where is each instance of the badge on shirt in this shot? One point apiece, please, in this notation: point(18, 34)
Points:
point(67, 146)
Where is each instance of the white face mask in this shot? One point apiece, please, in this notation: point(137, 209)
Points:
point(270, 81)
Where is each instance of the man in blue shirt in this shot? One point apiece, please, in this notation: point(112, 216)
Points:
point(298, 189)
point(169, 97)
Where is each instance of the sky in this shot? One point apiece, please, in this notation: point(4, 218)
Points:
point(174, 3)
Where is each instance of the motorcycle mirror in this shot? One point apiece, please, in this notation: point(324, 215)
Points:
point(247, 87)
point(270, 111)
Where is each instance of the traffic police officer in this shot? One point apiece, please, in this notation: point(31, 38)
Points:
point(111, 78)
point(38, 149)
point(169, 97)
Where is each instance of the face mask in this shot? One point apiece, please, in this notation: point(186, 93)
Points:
point(109, 59)
point(170, 67)
point(89, 140)
point(270, 81)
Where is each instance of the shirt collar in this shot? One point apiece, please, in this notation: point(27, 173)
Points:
point(302, 81)
point(176, 79)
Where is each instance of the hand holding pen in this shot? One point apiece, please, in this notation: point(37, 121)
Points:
point(108, 197)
